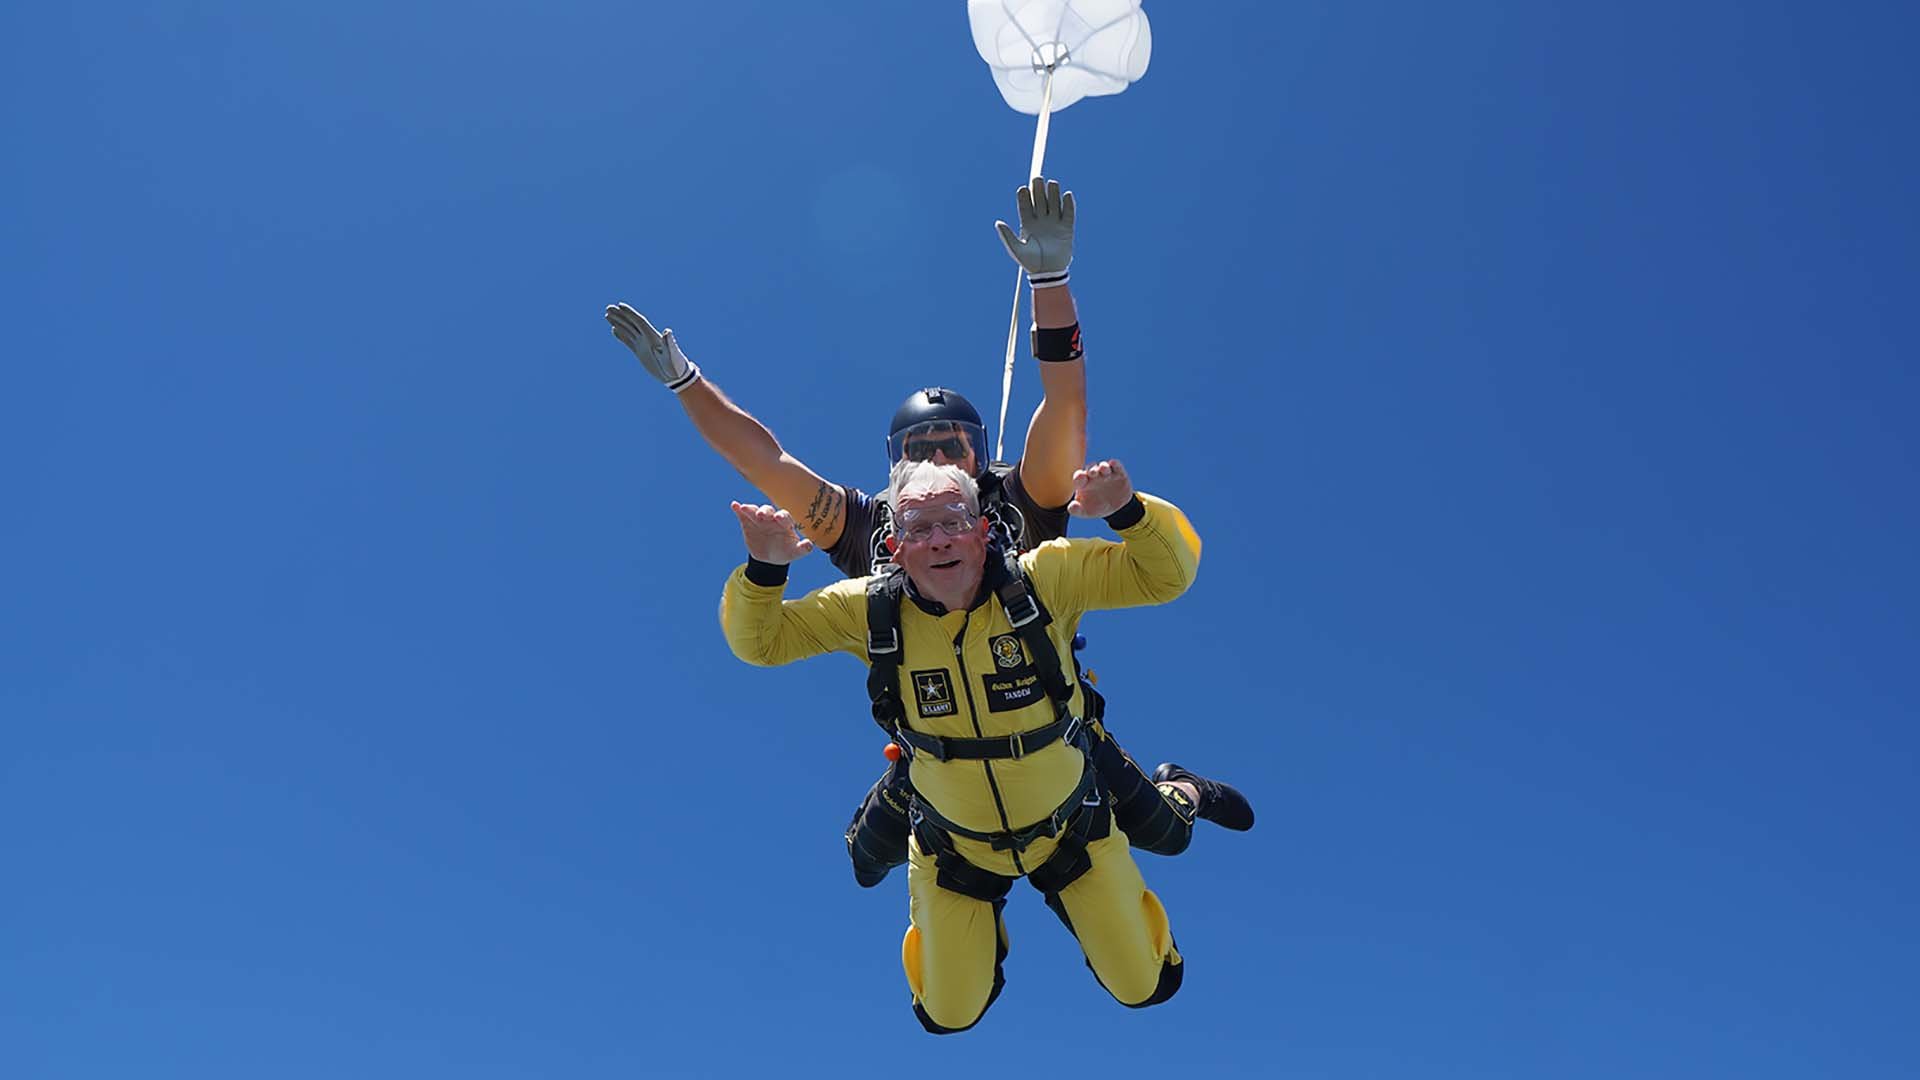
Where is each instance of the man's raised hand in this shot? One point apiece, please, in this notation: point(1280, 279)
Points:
point(658, 352)
point(769, 534)
point(1044, 245)
point(1099, 490)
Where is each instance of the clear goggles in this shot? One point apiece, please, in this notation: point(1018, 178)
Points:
point(953, 438)
point(918, 525)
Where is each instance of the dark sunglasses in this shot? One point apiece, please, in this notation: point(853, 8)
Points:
point(954, 446)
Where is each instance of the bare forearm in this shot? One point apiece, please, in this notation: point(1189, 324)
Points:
point(818, 506)
point(744, 442)
point(1057, 435)
point(1053, 308)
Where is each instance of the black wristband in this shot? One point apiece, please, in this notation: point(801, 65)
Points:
point(766, 573)
point(1129, 515)
point(1056, 344)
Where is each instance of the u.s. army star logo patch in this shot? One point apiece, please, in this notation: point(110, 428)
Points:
point(932, 693)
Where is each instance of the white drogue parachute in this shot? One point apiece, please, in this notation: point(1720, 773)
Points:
point(1085, 48)
point(1045, 55)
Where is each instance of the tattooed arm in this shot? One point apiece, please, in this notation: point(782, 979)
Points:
point(818, 506)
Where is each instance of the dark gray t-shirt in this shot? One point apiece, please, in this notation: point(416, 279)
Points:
point(1016, 519)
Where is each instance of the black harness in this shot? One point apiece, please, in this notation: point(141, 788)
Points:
point(1078, 820)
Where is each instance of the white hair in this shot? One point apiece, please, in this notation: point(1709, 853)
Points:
point(911, 479)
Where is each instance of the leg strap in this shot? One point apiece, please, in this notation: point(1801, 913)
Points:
point(954, 872)
point(1070, 859)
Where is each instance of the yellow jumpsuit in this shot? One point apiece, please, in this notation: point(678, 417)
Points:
point(965, 674)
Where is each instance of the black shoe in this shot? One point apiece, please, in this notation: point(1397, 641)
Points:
point(1220, 803)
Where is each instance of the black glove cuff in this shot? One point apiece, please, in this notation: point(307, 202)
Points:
point(1129, 515)
point(766, 573)
point(1056, 344)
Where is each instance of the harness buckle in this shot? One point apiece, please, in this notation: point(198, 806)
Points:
point(875, 647)
point(1017, 744)
point(1057, 824)
point(1021, 839)
point(1022, 613)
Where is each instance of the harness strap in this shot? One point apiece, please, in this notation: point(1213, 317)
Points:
point(1087, 822)
point(956, 874)
point(1096, 709)
point(884, 651)
point(1086, 792)
point(1070, 858)
point(1030, 620)
point(999, 747)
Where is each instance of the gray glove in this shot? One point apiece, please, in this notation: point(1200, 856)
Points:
point(658, 352)
point(1044, 246)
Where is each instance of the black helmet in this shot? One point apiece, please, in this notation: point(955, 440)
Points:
point(936, 411)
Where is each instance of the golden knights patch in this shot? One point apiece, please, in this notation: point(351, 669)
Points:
point(1007, 652)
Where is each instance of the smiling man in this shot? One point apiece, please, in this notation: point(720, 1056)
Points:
point(965, 646)
point(1024, 504)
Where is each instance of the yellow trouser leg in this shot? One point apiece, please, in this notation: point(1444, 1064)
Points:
point(1121, 926)
point(951, 946)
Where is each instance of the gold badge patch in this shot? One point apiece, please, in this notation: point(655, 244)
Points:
point(1006, 651)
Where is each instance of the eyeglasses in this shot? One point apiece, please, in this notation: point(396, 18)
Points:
point(953, 446)
point(918, 526)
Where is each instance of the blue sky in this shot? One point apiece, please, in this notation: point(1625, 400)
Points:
point(1540, 376)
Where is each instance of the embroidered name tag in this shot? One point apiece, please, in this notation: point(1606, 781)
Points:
point(1011, 691)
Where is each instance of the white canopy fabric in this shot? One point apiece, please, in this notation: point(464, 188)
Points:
point(1093, 47)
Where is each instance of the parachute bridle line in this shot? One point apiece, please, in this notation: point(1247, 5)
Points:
point(1013, 320)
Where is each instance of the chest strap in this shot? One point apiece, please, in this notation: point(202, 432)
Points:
point(998, 748)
